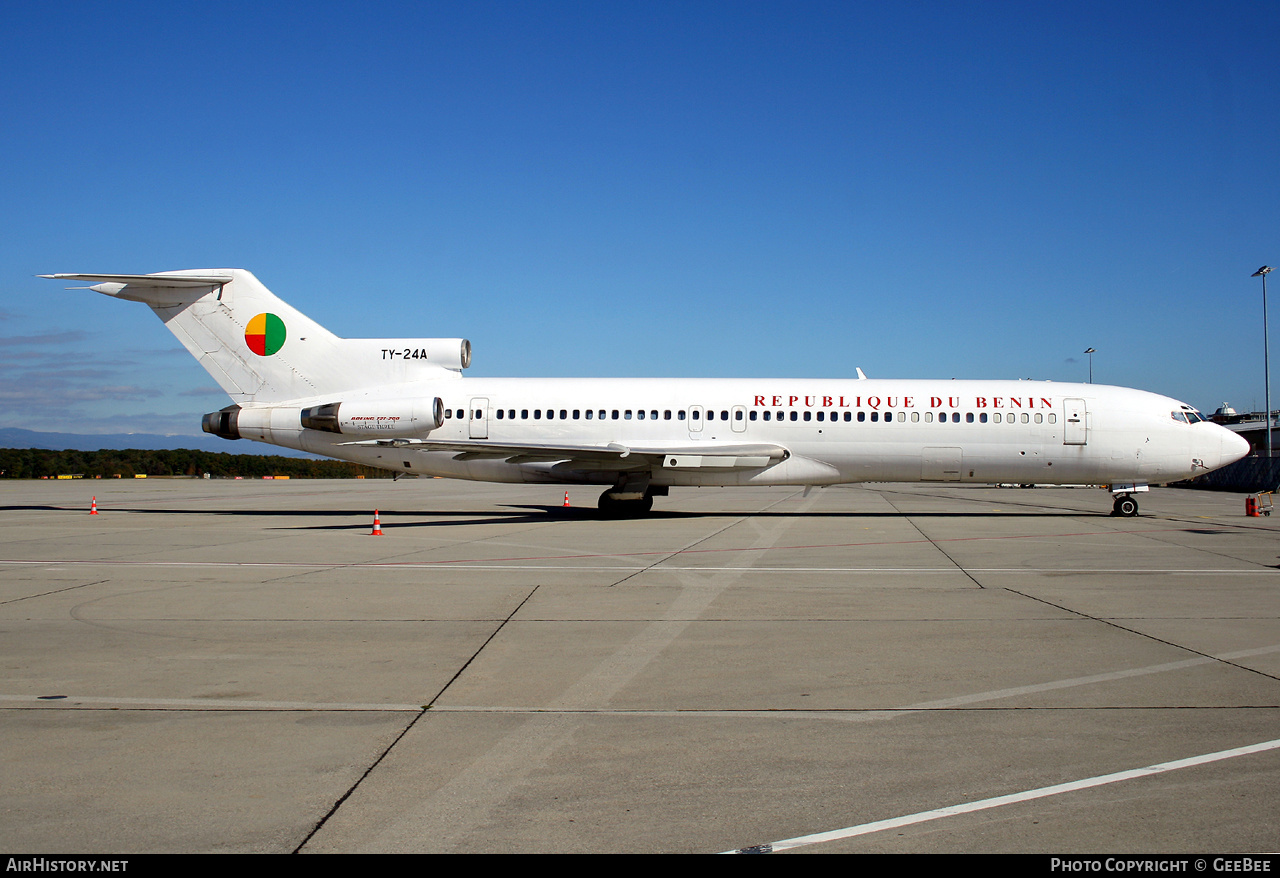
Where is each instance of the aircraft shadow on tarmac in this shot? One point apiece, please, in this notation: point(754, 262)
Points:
point(516, 514)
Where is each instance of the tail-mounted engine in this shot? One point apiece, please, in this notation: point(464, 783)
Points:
point(224, 423)
point(387, 418)
point(392, 417)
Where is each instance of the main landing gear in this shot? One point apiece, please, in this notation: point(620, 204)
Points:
point(612, 507)
point(632, 497)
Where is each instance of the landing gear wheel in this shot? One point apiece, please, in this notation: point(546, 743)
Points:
point(611, 507)
point(644, 505)
point(1125, 506)
point(607, 506)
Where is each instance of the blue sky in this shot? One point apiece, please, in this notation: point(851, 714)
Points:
point(968, 190)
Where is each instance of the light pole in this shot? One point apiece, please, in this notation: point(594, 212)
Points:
point(1266, 352)
point(1090, 352)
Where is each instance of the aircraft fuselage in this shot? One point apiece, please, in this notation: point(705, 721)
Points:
point(835, 431)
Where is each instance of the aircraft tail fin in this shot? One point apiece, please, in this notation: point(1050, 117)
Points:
point(260, 349)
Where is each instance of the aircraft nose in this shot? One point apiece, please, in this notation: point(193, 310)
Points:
point(1218, 447)
point(1234, 447)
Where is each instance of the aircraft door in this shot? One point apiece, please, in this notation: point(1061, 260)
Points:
point(695, 422)
point(739, 422)
point(1076, 427)
point(478, 418)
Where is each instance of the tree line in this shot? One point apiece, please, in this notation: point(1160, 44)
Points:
point(36, 463)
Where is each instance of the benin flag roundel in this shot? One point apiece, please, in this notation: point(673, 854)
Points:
point(265, 334)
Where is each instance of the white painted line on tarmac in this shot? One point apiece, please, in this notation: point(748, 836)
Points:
point(999, 801)
point(1108, 677)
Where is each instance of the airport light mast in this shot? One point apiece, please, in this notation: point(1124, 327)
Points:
point(1090, 352)
point(1266, 352)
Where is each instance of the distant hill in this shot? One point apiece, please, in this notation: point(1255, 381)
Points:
point(13, 437)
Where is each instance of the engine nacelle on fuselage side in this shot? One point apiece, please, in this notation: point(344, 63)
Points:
point(389, 418)
point(376, 418)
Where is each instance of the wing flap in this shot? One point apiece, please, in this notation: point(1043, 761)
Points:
point(703, 455)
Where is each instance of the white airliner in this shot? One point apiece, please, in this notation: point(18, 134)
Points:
point(403, 405)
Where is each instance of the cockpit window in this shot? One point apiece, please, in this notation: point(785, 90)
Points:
point(1179, 416)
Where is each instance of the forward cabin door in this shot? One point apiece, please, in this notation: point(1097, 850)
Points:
point(1076, 429)
point(478, 416)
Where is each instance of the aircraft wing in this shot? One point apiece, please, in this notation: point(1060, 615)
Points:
point(614, 456)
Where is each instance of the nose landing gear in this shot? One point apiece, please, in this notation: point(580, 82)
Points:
point(1125, 506)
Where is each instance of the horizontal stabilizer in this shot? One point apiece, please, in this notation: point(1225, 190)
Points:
point(160, 281)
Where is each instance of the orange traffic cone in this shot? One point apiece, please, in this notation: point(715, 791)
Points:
point(93, 507)
point(566, 499)
point(377, 528)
